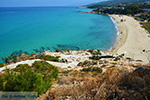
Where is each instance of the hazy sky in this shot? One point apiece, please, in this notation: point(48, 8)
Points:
point(22, 3)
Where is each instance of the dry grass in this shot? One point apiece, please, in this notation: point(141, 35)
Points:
point(115, 84)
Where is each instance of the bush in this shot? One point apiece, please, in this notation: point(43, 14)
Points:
point(91, 51)
point(46, 69)
point(116, 59)
point(95, 57)
point(112, 66)
point(1, 65)
point(99, 57)
point(87, 63)
point(92, 69)
point(26, 78)
point(49, 58)
point(147, 26)
point(107, 56)
point(114, 63)
point(130, 59)
point(6, 59)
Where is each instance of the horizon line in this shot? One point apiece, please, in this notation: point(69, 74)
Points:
point(35, 6)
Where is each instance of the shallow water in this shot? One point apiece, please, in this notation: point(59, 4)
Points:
point(35, 29)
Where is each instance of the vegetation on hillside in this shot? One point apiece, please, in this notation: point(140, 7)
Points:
point(37, 77)
point(13, 58)
point(129, 9)
point(96, 55)
point(147, 26)
point(117, 2)
point(87, 63)
point(1, 65)
point(114, 84)
point(48, 57)
point(144, 5)
point(92, 69)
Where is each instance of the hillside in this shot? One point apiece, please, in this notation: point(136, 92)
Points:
point(78, 75)
point(116, 2)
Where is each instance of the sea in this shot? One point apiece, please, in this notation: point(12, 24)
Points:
point(36, 29)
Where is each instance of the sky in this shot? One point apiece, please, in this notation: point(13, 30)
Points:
point(24, 3)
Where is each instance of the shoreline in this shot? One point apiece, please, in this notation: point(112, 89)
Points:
point(116, 40)
point(133, 39)
point(121, 34)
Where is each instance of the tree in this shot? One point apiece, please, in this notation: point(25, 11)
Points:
point(132, 9)
point(37, 78)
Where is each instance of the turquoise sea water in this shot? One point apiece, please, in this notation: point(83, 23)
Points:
point(34, 29)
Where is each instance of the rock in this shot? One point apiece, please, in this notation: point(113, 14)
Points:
point(86, 54)
point(65, 98)
point(69, 67)
point(81, 83)
point(22, 55)
point(63, 60)
point(75, 83)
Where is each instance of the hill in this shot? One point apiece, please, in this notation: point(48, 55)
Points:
point(78, 75)
point(116, 2)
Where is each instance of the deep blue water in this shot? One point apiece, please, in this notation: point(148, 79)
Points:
point(34, 29)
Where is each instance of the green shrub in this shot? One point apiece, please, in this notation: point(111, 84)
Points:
point(103, 66)
point(66, 72)
point(92, 69)
point(147, 26)
point(97, 53)
point(99, 57)
point(87, 63)
point(130, 59)
point(11, 58)
point(107, 56)
point(49, 58)
point(6, 59)
point(46, 69)
point(37, 78)
point(112, 66)
point(1, 65)
point(114, 63)
point(91, 51)
point(95, 57)
point(116, 59)
point(139, 60)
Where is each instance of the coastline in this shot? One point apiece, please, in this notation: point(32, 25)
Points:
point(121, 34)
point(133, 39)
point(116, 41)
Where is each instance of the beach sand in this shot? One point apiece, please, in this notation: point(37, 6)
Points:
point(133, 39)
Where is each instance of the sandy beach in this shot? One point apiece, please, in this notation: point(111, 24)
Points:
point(133, 39)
